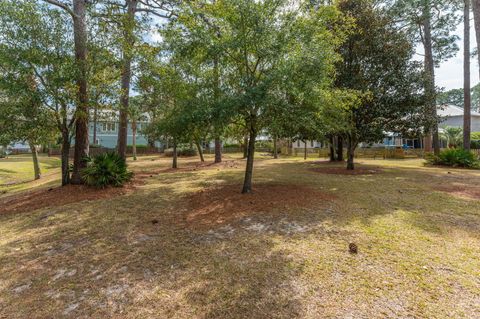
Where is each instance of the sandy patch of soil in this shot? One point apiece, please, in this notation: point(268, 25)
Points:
point(216, 206)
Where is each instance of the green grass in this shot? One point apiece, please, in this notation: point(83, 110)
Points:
point(419, 248)
point(16, 172)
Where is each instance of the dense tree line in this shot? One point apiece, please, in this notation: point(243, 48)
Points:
point(304, 70)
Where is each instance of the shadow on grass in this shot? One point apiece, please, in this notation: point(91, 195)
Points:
point(130, 257)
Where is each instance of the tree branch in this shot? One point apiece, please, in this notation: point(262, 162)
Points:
point(62, 6)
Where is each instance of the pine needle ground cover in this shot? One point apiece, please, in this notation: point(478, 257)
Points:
point(185, 244)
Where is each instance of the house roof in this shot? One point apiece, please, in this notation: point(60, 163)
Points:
point(448, 110)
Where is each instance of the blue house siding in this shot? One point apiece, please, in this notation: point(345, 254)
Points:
point(107, 134)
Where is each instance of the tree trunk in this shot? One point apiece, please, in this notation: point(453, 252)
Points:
point(245, 146)
point(430, 79)
point(134, 139)
point(305, 150)
point(339, 149)
point(476, 20)
point(275, 150)
point(218, 150)
point(174, 164)
point(129, 41)
point(466, 76)
point(95, 117)
point(332, 149)
point(351, 145)
point(36, 165)
point(81, 114)
point(200, 151)
point(247, 182)
point(65, 157)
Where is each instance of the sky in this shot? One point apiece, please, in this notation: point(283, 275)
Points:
point(450, 73)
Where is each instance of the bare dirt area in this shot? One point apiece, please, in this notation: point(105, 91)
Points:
point(220, 205)
point(460, 190)
point(57, 196)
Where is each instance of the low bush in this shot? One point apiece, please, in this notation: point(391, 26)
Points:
point(182, 150)
point(234, 145)
point(455, 157)
point(105, 170)
point(475, 136)
point(139, 147)
point(475, 144)
point(264, 145)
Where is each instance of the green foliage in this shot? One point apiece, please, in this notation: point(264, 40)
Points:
point(107, 169)
point(455, 157)
point(264, 145)
point(139, 147)
point(475, 144)
point(452, 135)
point(380, 87)
point(455, 97)
point(475, 135)
point(182, 150)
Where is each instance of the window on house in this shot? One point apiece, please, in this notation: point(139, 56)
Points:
point(298, 143)
point(108, 127)
point(311, 143)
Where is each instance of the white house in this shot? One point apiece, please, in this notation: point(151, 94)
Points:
point(453, 116)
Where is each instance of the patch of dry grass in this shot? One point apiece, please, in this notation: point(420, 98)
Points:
point(130, 256)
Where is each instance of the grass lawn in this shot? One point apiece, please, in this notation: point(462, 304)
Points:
point(186, 244)
point(16, 172)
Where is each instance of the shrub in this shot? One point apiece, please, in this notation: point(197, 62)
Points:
point(475, 144)
point(455, 157)
point(264, 145)
point(475, 136)
point(139, 147)
point(182, 150)
point(106, 169)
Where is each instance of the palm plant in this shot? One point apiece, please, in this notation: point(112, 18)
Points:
point(452, 135)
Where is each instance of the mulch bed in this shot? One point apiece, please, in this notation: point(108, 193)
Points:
point(219, 205)
point(57, 196)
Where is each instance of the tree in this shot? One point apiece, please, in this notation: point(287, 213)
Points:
point(135, 114)
point(127, 15)
point(22, 119)
point(36, 45)
point(77, 9)
point(466, 76)
point(431, 23)
point(451, 97)
point(382, 87)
